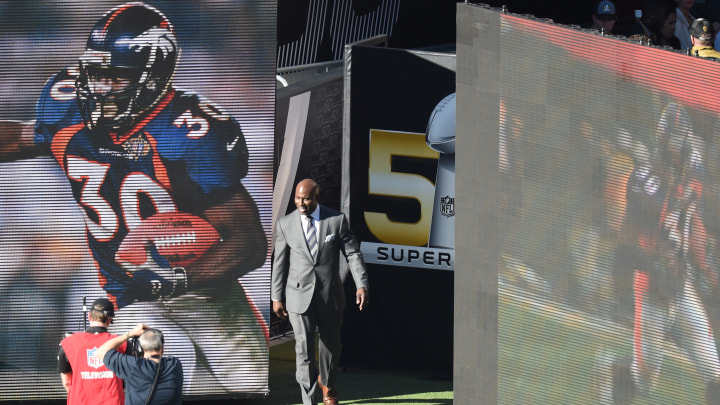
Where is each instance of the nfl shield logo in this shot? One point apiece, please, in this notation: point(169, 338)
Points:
point(92, 359)
point(447, 206)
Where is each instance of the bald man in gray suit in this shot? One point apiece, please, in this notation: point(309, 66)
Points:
point(307, 288)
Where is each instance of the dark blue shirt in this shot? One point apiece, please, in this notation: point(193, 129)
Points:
point(139, 375)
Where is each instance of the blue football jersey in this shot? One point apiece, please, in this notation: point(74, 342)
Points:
point(183, 155)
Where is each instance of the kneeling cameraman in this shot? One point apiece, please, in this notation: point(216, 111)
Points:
point(150, 377)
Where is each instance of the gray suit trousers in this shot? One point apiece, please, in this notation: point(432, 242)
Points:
point(328, 324)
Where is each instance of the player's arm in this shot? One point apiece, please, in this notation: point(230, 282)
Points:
point(703, 252)
point(243, 244)
point(16, 139)
point(242, 247)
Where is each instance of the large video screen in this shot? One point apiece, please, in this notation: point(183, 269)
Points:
point(608, 182)
point(607, 203)
point(107, 190)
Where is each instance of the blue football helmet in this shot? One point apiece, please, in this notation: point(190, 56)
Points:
point(127, 67)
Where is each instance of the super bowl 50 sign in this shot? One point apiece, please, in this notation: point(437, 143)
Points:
point(402, 164)
point(399, 193)
point(428, 241)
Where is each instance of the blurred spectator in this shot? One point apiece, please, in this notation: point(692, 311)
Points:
point(604, 16)
point(657, 24)
point(684, 19)
point(702, 38)
point(665, 32)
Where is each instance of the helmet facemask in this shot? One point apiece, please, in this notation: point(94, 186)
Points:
point(108, 96)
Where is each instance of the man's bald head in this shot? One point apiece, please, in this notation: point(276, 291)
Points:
point(306, 196)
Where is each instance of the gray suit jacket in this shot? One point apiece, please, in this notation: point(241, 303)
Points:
point(296, 276)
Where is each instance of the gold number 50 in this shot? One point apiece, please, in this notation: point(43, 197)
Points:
point(384, 145)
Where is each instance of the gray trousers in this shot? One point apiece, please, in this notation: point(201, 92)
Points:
point(328, 324)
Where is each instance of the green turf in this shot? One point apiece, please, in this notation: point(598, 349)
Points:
point(546, 355)
point(355, 386)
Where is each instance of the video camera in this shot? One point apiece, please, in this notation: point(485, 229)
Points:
point(133, 347)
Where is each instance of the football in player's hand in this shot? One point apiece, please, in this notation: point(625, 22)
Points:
point(179, 237)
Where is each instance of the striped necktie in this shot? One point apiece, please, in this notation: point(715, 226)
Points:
point(311, 236)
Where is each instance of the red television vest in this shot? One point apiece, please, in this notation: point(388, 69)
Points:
point(92, 382)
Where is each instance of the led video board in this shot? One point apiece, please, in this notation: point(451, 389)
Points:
point(100, 158)
point(586, 241)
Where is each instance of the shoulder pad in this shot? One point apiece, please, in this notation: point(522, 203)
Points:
point(57, 97)
point(223, 125)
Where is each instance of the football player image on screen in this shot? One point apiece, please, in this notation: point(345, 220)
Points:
point(157, 173)
point(665, 234)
